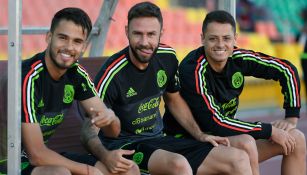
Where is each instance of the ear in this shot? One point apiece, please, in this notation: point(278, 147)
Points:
point(126, 31)
point(235, 38)
point(161, 33)
point(202, 38)
point(48, 37)
point(84, 46)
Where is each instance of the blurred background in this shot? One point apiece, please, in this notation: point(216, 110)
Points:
point(272, 27)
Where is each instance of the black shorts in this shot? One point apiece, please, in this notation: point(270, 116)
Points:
point(27, 168)
point(194, 151)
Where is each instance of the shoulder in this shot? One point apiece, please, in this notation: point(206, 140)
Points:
point(116, 60)
point(240, 53)
point(77, 70)
point(165, 49)
point(112, 65)
point(193, 58)
point(33, 66)
point(166, 55)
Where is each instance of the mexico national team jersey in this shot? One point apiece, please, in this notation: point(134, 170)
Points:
point(134, 95)
point(214, 97)
point(45, 100)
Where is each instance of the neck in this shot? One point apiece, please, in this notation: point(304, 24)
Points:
point(217, 66)
point(55, 72)
point(136, 62)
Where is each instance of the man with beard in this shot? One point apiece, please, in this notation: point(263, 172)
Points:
point(51, 80)
point(131, 83)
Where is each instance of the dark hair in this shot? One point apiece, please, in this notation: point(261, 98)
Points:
point(145, 9)
point(219, 16)
point(76, 15)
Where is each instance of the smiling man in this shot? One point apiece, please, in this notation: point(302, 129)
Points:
point(51, 81)
point(131, 83)
point(212, 79)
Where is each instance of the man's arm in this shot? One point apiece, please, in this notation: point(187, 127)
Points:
point(113, 160)
point(40, 155)
point(101, 116)
point(180, 110)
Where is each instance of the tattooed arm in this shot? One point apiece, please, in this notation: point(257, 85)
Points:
point(113, 160)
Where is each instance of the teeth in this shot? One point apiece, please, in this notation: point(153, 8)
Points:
point(220, 51)
point(65, 55)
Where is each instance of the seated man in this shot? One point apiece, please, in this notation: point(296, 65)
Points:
point(51, 80)
point(131, 83)
point(212, 79)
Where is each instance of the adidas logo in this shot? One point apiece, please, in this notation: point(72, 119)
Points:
point(131, 92)
point(41, 104)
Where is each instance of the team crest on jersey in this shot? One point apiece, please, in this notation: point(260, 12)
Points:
point(69, 93)
point(237, 80)
point(138, 157)
point(161, 78)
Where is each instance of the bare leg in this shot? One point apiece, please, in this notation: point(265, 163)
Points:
point(133, 171)
point(50, 170)
point(248, 144)
point(295, 163)
point(164, 162)
point(225, 160)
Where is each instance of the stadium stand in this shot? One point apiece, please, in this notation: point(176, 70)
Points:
point(285, 13)
point(182, 31)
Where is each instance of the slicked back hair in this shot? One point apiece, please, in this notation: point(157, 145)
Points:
point(76, 15)
point(145, 9)
point(219, 16)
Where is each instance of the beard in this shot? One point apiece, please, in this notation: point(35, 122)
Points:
point(140, 58)
point(53, 56)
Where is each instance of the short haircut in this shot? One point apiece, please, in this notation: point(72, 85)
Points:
point(76, 15)
point(145, 9)
point(219, 16)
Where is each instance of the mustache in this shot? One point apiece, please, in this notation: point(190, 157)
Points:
point(144, 47)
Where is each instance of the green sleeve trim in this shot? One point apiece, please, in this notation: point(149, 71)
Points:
point(304, 56)
point(88, 81)
point(167, 51)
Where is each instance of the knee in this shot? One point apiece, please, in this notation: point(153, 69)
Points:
point(300, 141)
point(180, 165)
point(247, 143)
point(61, 171)
point(298, 135)
point(134, 170)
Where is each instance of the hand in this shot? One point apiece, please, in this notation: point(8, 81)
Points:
point(215, 140)
point(284, 139)
point(285, 124)
point(116, 163)
point(101, 119)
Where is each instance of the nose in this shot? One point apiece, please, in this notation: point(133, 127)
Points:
point(144, 40)
point(220, 42)
point(70, 45)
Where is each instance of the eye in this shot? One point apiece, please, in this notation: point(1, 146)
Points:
point(137, 33)
point(227, 38)
point(79, 41)
point(62, 37)
point(151, 34)
point(212, 39)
